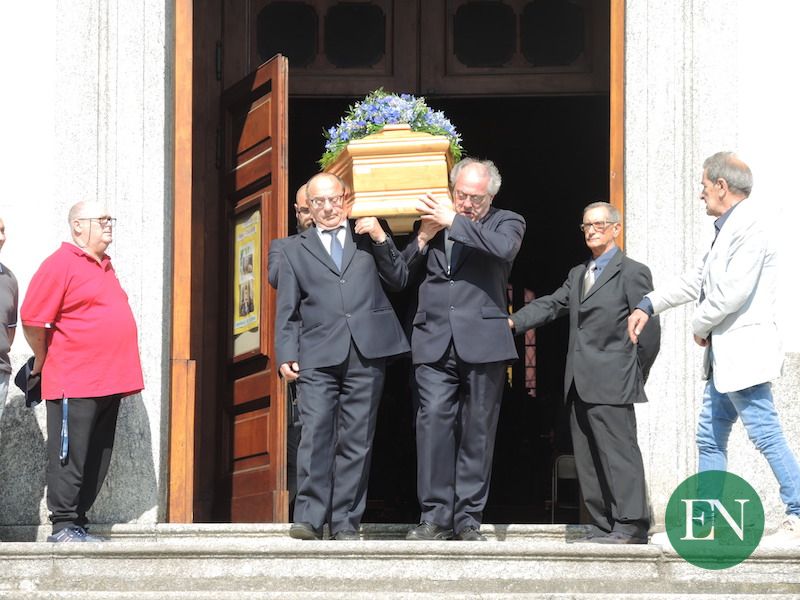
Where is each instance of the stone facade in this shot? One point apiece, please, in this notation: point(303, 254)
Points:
point(700, 77)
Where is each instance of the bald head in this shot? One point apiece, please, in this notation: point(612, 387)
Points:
point(91, 227)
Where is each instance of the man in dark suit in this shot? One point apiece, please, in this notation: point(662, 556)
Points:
point(460, 346)
point(334, 330)
point(304, 221)
point(604, 376)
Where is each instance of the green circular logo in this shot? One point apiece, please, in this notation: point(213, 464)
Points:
point(714, 519)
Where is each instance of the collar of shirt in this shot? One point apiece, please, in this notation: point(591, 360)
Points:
point(601, 261)
point(722, 218)
point(340, 233)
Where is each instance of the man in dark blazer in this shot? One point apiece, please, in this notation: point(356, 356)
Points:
point(303, 217)
point(334, 330)
point(460, 345)
point(604, 376)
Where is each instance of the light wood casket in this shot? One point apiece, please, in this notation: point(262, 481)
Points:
point(388, 172)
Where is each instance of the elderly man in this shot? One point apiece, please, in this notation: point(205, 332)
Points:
point(604, 376)
point(78, 322)
point(460, 345)
point(9, 294)
point(735, 287)
point(334, 330)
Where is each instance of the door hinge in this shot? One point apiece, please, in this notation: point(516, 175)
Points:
point(218, 60)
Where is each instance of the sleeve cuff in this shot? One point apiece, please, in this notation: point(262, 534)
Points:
point(646, 305)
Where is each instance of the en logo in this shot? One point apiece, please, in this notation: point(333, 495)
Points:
point(714, 519)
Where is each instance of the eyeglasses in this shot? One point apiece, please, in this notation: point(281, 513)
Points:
point(475, 199)
point(303, 210)
point(319, 201)
point(103, 221)
point(599, 226)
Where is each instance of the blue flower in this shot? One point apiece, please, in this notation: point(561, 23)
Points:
point(379, 108)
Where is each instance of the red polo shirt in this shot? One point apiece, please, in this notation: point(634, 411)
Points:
point(92, 346)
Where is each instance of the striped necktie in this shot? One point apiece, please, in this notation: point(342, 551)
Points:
point(589, 277)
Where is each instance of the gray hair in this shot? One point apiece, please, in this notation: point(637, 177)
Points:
point(731, 168)
point(488, 168)
point(611, 210)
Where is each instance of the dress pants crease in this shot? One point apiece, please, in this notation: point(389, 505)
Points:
point(459, 405)
point(607, 457)
point(338, 409)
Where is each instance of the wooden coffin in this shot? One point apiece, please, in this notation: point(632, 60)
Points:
point(388, 171)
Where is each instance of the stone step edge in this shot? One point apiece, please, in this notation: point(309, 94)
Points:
point(387, 531)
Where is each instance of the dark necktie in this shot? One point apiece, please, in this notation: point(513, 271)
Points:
point(450, 250)
point(335, 247)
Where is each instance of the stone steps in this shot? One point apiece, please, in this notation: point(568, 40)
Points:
point(259, 561)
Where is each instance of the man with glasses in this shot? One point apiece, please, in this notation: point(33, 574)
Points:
point(334, 330)
point(460, 345)
point(604, 376)
point(734, 286)
point(77, 320)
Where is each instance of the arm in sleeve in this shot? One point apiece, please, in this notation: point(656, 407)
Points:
point(680, 290)
point(287, 315)
point(543, 310)
point(273, 263)
point(744, 263)
point(392, 267)
point(639, 282)
point(503, 242)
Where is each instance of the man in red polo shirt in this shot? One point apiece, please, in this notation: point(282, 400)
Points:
point(78, 322)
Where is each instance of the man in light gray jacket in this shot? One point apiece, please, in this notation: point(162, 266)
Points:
point(735, 287)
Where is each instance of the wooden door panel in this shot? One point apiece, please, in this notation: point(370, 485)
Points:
point(254, 194)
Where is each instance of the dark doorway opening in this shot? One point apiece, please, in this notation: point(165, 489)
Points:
point(553, 155)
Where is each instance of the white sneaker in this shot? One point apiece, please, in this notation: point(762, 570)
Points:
point(786, 536)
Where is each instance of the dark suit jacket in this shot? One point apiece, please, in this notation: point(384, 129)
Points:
point(274, 258)
point(605, 366)
point(469, 305)
point(320, 309)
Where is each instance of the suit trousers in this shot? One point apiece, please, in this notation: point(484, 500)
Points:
point(609, 465)
point(459, 404)
point(72, 487)
point(338, 410)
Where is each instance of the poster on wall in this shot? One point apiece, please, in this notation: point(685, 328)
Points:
point(247, 281)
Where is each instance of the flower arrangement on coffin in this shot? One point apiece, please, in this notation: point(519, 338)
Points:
point(390, 149)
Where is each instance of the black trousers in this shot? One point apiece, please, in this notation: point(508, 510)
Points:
point(338, 409)
point(73, 484)
point(609, 465)
point(459, 404)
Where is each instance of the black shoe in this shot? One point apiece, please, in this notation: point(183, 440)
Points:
point(346, 535)
point(429, 531)
point(470, 534)
point(617, 537)
point(304, 531)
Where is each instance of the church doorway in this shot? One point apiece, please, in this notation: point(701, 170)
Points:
point(553, 154)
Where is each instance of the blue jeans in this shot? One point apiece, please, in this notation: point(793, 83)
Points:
point(755, 407)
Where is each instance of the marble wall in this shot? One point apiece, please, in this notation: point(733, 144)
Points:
point(107, 80)
point(693, 73)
